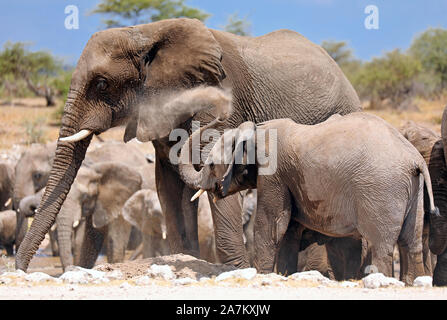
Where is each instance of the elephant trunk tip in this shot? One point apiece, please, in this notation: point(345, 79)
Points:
point(435, 212)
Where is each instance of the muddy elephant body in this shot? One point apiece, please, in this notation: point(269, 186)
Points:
point(122, 72)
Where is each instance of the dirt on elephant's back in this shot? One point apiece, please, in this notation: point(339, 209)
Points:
point(183, 266)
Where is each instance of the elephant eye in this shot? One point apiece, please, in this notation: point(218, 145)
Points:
point(102, 85)
point(37, 176)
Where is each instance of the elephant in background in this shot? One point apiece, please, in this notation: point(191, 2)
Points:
point(6, 186)
point(123, 77)
point(431, 147)
point(7, 230)
point(27, 208)
point(143, 211)
point(316, 183)
point(31, 175)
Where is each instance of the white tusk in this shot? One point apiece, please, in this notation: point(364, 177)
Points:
point(8, 202)
point(78, 136)
point(76, 224)
point(53, 227)
point(198, 194)
point(164, 235)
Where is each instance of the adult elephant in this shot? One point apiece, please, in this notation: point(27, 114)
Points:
point(6, 185)
point(431, 147)
point(281, 74)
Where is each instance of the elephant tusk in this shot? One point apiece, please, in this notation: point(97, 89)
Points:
point(198, 194)
point(76, 224)
point(78, 136)
point(8, 202)
point(53, 227)
point(163, 235)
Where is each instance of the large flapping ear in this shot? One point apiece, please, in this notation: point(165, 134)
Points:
point(244, 133)
point(174, 55)
point(117, 184)
point(133, 209)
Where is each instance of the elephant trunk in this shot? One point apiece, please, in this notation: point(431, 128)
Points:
point(188, 173)
point(68, 159)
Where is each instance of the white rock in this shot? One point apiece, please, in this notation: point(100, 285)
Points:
point(142, 281)
point(349, 284)
point(378, 280)
point(125, 285)
point(274, 277)
point(184, 281)
point(114, 275)
point(247, 274)
point(14, 274)
point(425, 281)
point(161, 271)
point(313, 276)
point(82, 276)
point(39, 277)
point(203, 279)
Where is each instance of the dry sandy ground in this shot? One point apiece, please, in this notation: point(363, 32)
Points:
point(186, 266)
point(191, 292)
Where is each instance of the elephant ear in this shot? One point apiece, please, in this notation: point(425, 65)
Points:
point(133, 209)
point(176, 54)
point(444, 132)
point(118, 183)
point(244, 133)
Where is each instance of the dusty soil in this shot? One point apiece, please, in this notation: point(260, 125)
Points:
point(185, 266)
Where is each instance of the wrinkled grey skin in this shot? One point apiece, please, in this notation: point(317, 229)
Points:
point(27, 208)
point(31, 175)
point(101, 192)
point(349, 176)
point(7, 230)
point(143, 211)
point(6, 186)
point(273, 76)
point(88, 238)
point(431, 147)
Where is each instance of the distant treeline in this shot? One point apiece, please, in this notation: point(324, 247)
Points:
point(396, 77)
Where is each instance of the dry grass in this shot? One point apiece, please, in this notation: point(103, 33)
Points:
point(429, 114)
point(15, 118)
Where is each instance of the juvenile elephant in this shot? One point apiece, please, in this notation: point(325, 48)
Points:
point(99, 195)
point(27, 208)
point(431, 147)
point(124, 72)
point(31, 175)
point(143, 211)
point(7, 230)
point(6, 186)
point(349, 176)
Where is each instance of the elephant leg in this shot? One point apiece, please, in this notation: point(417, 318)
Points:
point(138, 252)
point(272, 220)
point(440, 272)
point(190, 211)
point(9, 249)
point(228, 230)
point(148, 246)
point(118, 235)
point(345, 257)
point(427, 257)
point(410, 243)
point(290, 246)
point(21, 229)
point(88, 242)
point(170, 190)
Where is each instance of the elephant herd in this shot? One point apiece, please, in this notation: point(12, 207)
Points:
point(346, 187)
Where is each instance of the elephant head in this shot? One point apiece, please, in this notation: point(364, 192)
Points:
point(31, 175)
point(143, 211)
point(226, 169)
point(438, 169)
point(119, 75)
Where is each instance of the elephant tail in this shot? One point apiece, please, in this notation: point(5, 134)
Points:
point(424, 170)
